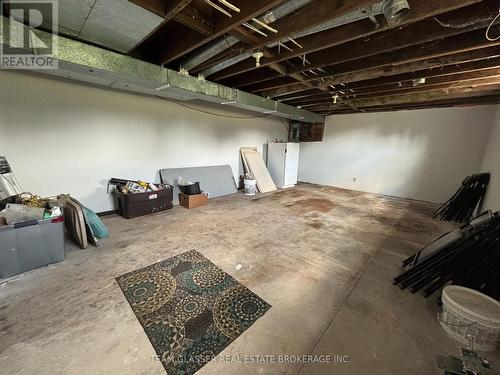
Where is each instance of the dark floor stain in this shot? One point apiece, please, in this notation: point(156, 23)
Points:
point(315, 224)
point(124, 244)
point(413, 226)
point(288, 193)
point(312, 204)
point(5, 328)
point(295, 193)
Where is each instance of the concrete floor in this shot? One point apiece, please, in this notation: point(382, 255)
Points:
point(323, 258)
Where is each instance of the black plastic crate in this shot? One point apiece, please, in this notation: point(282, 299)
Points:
point(140, 204)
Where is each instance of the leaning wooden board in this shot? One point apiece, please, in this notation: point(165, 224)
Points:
point(245, 164)
point(258, 168)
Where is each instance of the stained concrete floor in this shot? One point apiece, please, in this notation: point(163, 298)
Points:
point(322, 257)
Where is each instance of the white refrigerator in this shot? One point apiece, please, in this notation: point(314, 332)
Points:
point(283, 163)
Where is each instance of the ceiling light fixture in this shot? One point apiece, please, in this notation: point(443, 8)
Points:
point(418, 82)
point(257, 56)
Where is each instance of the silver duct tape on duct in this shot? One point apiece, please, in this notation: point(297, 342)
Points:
point(395, 10)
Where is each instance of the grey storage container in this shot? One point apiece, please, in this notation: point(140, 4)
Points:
point(29, 245)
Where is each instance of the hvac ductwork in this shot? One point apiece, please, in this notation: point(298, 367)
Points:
point(395, 10)
point(368, 12)
point(86, 63)
point(224, 43)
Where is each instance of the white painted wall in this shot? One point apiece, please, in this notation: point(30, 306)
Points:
point(423, 154)
point(62, 137)
point(491, 164)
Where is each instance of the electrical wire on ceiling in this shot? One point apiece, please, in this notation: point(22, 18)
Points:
point(221, 115)
point(454, 26)
point(489, 28)
point(285, 124)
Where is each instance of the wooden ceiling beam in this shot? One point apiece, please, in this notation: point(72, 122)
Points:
point(166, 9)
point(257, 76)
point(171, 47)
point(443, 71)
point(466, 47)
point(465, 81)
point(191, 17)
point(419, 10)
point(313, 14)
point(160, 7)
point(447, 75)
point(486, 87)
point(474, 101)
point(457, 80)
point(470, 18)
point(303, 94)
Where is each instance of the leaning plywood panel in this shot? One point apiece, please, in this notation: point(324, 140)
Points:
point(258, 168)
point(216, 180)
point(245, 164)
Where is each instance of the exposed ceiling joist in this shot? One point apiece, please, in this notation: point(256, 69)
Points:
point(335, 46)
point(474, 79)
point(316, 13)
point(461, 102)
point(171, 47)
point(426, 55)
point(166, 9)
point(489, 86)
point(288, 91)
point(361, 29)
point(189, 17)
point(472, 18)
point(449, 74)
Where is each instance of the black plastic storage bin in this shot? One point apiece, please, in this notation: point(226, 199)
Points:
point(140, 204)
point(193, 189)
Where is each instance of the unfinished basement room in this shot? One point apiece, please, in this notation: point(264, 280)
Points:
point(236, 187)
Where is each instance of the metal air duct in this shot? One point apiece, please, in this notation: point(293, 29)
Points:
point(206, 53)
point(82, 62)
point(395, 10)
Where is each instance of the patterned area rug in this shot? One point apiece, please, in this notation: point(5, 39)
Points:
point(190, 309)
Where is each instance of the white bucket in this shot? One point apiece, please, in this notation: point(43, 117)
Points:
point(250, 186)
point(471, 318)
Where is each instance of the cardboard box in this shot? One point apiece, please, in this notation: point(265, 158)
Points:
point(193, 201)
